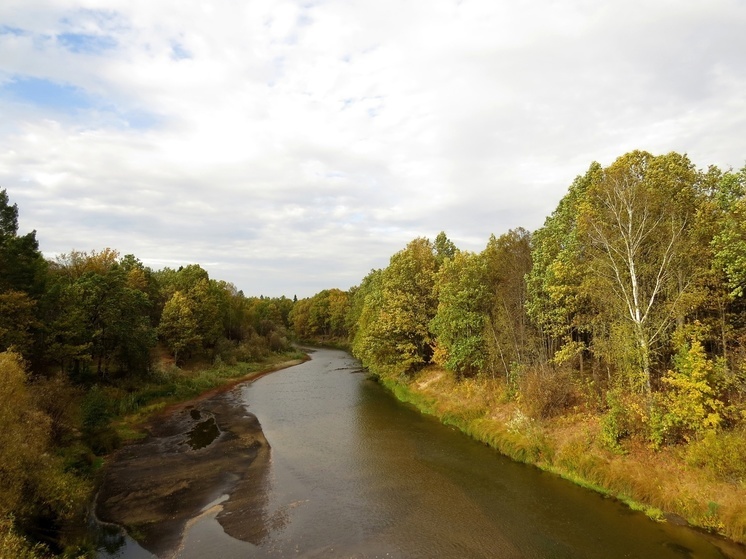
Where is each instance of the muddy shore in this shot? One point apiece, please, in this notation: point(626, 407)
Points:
point(194, 454)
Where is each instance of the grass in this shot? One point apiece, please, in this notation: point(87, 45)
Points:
point(669, 481)
point(130, 405)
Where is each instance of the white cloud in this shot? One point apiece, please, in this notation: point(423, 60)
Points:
point(292, 146)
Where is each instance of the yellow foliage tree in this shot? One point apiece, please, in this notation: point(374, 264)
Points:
point(34, 482)
point(691, 404)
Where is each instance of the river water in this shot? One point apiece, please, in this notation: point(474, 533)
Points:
point(355, 473)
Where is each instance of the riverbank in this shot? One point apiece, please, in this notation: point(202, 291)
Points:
point(661, 483)
point(192, 456)
point(172, 386)
point(183, 455)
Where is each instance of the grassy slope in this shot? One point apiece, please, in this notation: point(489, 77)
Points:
point(652, 481)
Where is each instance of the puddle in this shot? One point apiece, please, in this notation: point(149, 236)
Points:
point(203, 433)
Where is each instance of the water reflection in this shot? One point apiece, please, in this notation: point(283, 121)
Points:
point(246, 514)
point(203, 433)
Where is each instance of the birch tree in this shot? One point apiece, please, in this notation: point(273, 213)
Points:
point(636, 220)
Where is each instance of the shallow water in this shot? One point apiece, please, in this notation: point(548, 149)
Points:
point(355, 473)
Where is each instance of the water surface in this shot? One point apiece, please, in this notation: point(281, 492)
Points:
point(355, 473)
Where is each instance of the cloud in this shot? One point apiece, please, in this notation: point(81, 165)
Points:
point(293, 146)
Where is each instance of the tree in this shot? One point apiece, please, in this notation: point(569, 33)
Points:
point(555, 303)
point(300, 318)
point(393, 336)
point(459, 322)
point(339, 306)
point(102, 312)
point(508, 338)
point(22, 278)
point(22, 266)
point(178, 326)
point(209, 306)
point(34, 483)
point(730, 241)
point(444, 248)
point(17, 321)
point(635, 221)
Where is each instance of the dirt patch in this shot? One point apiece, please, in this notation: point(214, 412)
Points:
point(154, 487)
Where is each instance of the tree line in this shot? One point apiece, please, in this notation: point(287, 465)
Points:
point(629, 300)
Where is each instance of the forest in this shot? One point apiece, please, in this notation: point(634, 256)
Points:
point(621, 321)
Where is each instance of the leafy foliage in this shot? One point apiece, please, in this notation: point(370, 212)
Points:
point(692, 405)
point(459, 322)
point(393, 334)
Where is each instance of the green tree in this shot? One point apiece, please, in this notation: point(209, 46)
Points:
point(555, 302)
point(509, 339)
point(209, 306)
point(22, 282)
point(444, 248)
point(730, 242)
point(17, 321)
point(393, 336)
point(178, 327)
point(636, 221)
point(22, 266)
point(102, 313)
point(459, 323)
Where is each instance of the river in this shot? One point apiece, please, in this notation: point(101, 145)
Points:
point(355, 473)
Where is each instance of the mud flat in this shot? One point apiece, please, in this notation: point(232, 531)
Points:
point(193, 455)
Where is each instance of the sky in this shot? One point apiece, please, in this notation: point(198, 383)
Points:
point(293, 146)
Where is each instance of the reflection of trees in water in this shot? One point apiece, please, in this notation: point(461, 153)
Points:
point(108, 538)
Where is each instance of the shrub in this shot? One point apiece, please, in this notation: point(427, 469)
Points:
point(14, 545)
point(691, 406)
point(95, 409)
point(626, 416)
point(723, 455)
point(546, 393)
point(59, 400)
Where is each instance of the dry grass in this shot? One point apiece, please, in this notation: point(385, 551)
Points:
point(568, 444)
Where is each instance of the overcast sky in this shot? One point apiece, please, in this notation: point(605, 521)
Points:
point(289, 147)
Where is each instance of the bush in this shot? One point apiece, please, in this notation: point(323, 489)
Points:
point(95, 409)
point(691, 406)
point(60, 401)
point(723, 455)
point(546, 393)
point(625, 417)
point(13, 544)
